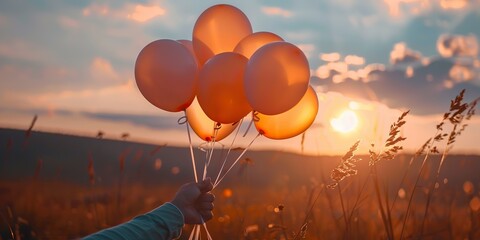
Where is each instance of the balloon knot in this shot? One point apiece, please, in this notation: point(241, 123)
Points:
point(182, 120)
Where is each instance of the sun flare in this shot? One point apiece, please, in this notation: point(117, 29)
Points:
point(346, 122)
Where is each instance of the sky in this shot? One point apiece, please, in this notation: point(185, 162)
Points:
point(72, 64)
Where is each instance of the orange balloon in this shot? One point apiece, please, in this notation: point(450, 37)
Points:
point(166, 75)
point(204, 127)
point(292, 122)
point(276, 78)
point(219, 29)
point(221, 92)
point(254, 41)
point(188, 44)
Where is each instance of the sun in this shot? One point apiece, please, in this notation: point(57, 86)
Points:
point(346, 122)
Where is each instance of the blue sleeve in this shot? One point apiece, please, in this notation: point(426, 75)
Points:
point(164, 222)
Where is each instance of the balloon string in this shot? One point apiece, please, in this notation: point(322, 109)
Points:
point(206, 230)
point(216, 128)
point(193, 232)
point(206, 159)
point(209, 155)
point(254, 118)
point(228, 152)
point(197, 232)
point(190, 143)
point(229, 169)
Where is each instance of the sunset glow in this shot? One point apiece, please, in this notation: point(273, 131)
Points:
point(346, 122)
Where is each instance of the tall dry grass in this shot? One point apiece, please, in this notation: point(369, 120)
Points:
point(349, 199)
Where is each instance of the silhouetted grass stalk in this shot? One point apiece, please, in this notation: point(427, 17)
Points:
point(347, 225)
point(389, 151)
point(455, 115)
point(387, 222)
point(404, 177)
point(456, 118)
point(303, 229)
point(345, 168)
point(410, 199)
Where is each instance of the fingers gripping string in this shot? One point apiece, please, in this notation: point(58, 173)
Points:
point(184, 120)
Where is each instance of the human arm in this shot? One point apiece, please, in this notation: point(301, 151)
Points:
point(192, 204)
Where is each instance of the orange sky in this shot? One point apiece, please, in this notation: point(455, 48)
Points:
point(72, 65)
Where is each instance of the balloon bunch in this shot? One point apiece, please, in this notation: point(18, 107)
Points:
point(226, 72)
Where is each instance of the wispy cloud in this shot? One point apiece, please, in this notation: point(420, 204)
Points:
point(330, 57)
point(457, 45)
point(351, 68)
point(307, 49)
point(277, 11)
point(96, 9)
point(402, 54)
point(118, 98)
point(151, 121)
point(102, 70)
point(135, 12)
point(20, 49)
point(68, 22)
point(143, 13)
point(453, 4)
point(421, 88)
point(354, 60)
point(399, 8)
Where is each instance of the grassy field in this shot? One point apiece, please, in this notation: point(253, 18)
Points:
point(64, 187)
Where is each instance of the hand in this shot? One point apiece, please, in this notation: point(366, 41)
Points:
point(195, 201)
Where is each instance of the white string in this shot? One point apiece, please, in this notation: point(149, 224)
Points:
point(191, 149)
point(197, 232)
point(193, 232)
point(244, 151)
point(206, 230)
point(228, 152)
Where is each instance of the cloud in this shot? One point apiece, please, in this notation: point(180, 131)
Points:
point(68, 22)
point(307, 49)
point(354, 60)
point(457, 45)
point(134, 12)
point(351, 68)
point(402, 54)
point(409, 72)
point(330, 57)
point(143, 13)
point(453, 4)
point(96, 9)
point(102, 70)
point(24, 50)
point(150, 121)
point(339, 72)
point(397, 8)
point(277, 11)
point(465, 71)
point(400, 8)
point(115, 98)
point(425, 89)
